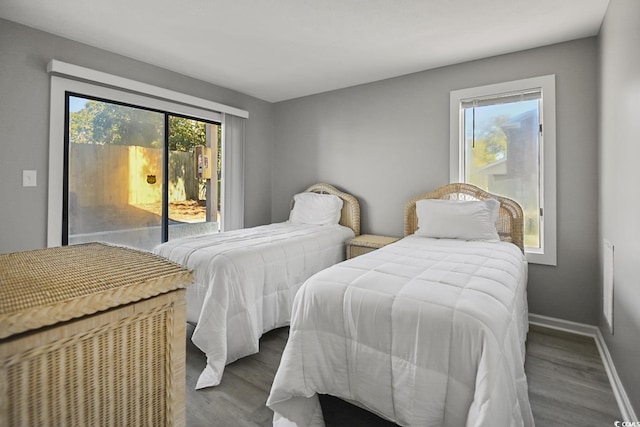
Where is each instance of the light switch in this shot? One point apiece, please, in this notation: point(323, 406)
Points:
point(28, 178)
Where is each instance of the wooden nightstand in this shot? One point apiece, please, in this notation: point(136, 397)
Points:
point(366, 243)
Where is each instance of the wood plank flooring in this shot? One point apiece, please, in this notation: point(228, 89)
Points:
point(568, 386)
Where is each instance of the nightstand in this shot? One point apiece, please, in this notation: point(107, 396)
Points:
point(366, 243)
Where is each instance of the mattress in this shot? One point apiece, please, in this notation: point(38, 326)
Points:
point(423, 332)
point(245, 282)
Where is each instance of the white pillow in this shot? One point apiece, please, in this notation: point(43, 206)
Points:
point(314, 208)
point(454, 219)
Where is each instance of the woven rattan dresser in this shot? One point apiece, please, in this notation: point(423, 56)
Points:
point(91, 335)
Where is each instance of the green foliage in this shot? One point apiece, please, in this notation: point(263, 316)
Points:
point(490, 143)
point(105, 123)
point(185, 134)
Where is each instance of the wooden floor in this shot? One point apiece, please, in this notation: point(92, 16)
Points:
point(568, 386)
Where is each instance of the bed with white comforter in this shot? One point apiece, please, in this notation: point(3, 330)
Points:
point(245, 280)
point(423, 332)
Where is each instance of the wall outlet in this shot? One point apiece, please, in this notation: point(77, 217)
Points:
point(29, 178)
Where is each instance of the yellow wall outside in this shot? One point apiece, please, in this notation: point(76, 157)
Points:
point(116, 175)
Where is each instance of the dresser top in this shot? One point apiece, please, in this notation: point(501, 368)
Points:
point(47, 286)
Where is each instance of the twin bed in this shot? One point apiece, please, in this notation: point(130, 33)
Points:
point(427, 331)
point(245, 280)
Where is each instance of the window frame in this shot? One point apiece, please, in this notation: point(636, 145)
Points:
point(110, 87)
point(548, 254)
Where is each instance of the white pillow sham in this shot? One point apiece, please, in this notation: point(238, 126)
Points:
point(454, 219)
point(314, 208)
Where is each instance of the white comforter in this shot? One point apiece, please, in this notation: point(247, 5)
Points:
point(245, 282)
point(423, 332)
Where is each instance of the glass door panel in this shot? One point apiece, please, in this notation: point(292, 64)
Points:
point(115, 174)
point(193, 166)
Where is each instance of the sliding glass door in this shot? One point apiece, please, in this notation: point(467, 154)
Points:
point(194, 177)
point(137, 176)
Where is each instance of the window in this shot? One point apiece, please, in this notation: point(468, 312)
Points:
point(125, 169)
point(115, 164)
point(503, 140)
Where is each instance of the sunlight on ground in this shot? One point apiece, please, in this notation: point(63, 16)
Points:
point(183, 211)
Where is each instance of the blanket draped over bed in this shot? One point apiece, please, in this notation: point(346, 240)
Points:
point(245, 282)
point(424, 332)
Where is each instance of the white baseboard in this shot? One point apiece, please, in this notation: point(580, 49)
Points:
point(619, 392)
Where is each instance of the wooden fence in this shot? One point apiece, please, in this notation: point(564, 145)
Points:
point(116, 175)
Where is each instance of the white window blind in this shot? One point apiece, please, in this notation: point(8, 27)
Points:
point(503, 98)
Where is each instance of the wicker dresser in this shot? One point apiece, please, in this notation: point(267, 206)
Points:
point(91, 335)
point(366, 243)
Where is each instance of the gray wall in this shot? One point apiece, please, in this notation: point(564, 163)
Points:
point(387, 141)
point(619, 193)
point(24, 125)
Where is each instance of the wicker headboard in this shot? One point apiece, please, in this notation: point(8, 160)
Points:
point(510, 223)
point(350, 216)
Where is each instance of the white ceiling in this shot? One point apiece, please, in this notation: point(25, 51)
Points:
point(282, 49)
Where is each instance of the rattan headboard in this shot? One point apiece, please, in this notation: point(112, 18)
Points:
point(510, 223)
point(350, 216)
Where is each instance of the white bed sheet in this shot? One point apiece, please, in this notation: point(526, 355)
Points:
point(245, 281)
point(423, 332)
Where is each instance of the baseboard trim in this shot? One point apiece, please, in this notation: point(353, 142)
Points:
point(619, 392)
